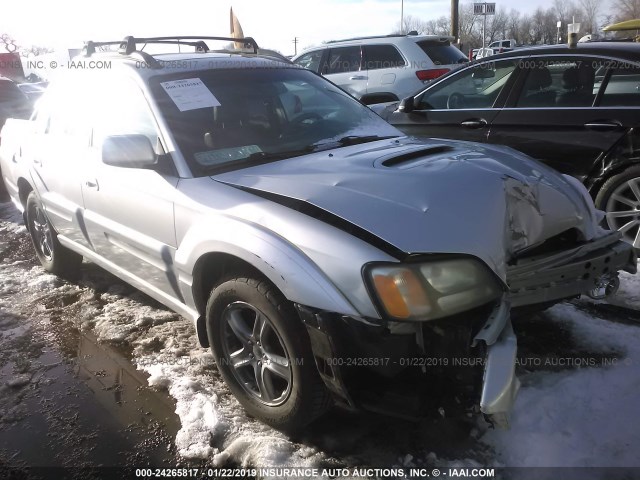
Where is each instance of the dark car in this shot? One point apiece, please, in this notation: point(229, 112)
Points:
point(13, 101)
point(575, 109)
point(13, 104)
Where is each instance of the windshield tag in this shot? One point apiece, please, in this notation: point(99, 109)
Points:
point(190, 94)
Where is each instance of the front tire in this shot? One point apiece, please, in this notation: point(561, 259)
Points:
point(263, 353)
point(619, 198)
point(54, 257)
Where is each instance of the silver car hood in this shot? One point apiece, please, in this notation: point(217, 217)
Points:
point(433, 196)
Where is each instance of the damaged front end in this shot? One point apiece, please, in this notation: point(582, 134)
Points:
point(446, 343)
point(416, 369)
point(470, 233)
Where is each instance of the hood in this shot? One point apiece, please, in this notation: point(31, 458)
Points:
point(435, 196)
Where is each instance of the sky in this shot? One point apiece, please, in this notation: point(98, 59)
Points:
point(273, 23)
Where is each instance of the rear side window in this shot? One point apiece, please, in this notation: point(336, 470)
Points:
point(382, 56)
point(442, 53)
point(562, 82)
point(311, 60)
point(623, 88)
point(344, 59)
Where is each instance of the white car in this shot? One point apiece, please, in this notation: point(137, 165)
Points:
point(383, 68)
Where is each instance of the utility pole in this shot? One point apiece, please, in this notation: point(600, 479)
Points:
point(295, 45)
point(455, 20)
point(402, 16)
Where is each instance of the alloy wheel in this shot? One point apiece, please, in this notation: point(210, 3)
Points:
point(42, 234)
point(256, 354)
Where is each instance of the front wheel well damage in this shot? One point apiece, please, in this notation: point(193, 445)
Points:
point(210, 270)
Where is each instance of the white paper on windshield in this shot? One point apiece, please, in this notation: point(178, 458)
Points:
point(190, 94)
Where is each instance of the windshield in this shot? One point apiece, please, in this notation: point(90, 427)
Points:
point(228, 119)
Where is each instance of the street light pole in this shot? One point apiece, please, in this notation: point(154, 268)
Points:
point(484, 28)
point(402, 16)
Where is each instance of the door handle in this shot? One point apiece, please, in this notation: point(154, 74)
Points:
point(474, 123)
point(91, 184)
point(603, 126)
point(358, 77)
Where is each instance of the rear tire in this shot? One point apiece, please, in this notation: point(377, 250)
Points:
point(263, 353)
point(54, 257)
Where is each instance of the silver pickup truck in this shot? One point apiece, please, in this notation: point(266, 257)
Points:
point(322, 255)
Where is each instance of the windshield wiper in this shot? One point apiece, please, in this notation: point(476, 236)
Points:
point(268, 156)
point(352, 140)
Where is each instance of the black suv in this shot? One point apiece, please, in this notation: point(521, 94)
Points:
point(575, 109)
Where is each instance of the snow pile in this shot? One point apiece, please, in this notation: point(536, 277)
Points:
point(578, 418)
point(213, 425)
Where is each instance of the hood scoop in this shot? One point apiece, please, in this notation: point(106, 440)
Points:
point(413, 157)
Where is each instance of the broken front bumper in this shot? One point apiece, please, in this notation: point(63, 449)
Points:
point(416, 369)
point(568, 273)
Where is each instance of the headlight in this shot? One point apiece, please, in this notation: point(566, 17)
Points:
point(431, 290)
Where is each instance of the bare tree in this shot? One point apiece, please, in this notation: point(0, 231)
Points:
point(34, 51)
point(591, 9)
point(539, 27)
point(9, 43)
point(438, 26)
point(627, 9)
point(410, 23)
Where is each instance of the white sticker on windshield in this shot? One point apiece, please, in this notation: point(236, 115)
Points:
point(189, 94)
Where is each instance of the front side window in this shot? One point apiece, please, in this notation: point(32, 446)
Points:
point(228, 119)
point(344, 59)
point(474, 87)
point(382, 56)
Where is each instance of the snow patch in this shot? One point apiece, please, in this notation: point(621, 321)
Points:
point(578, 418)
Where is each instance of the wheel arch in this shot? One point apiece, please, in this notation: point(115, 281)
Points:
point(595, 182)
point(24, 189)
point(243, 249)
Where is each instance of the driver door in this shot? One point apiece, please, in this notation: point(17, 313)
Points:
point(128, 210)
point(461, 106)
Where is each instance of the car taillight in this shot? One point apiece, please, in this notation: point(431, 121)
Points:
point(425, 75)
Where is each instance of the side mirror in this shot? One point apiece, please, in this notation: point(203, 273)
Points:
point(407, 105)
point(128, 151)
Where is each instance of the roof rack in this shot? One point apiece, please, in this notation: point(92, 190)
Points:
point(412, 33)
point(129, 45)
